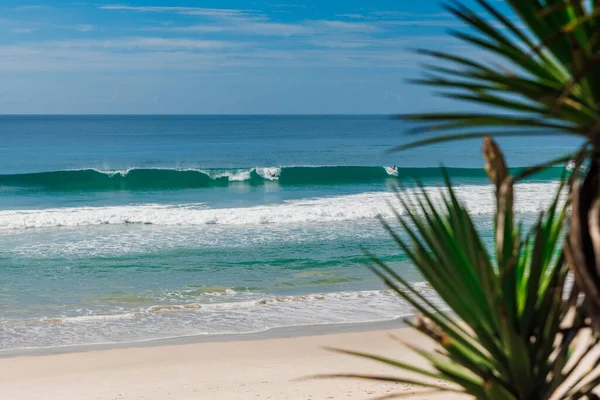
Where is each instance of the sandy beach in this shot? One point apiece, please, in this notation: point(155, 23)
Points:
point(248, 369)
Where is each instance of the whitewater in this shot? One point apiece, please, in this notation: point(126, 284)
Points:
point(531, 197)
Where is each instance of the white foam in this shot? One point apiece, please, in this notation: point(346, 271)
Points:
point(271, 174)
point(184, 319)
point(242, 315)
point(234, 175)
point(391, 171)
point(109, 172)
point(238, 175)
point(530, 197)
point(89, 318)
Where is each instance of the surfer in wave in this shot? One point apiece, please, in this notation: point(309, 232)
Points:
point(393, 171)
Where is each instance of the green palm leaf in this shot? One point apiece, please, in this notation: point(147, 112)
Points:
point(508, 335)
point(511, 333)
point(547, 74)
point(544, 79)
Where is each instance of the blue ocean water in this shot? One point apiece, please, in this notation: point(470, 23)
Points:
point(130, 228)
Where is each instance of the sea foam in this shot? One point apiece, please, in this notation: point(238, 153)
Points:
point(530, 197)
point(235, 316)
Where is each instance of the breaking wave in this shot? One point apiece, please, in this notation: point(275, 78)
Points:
point(161, 179)
point(530, 197)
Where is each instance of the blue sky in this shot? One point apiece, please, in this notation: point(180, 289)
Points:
point(207, 57)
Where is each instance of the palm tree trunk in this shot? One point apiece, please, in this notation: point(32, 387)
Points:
point(583, 241)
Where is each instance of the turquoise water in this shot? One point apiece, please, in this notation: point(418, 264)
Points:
point(130, 228)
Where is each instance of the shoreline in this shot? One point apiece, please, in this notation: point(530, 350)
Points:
point(257, 367)
point(286, 332)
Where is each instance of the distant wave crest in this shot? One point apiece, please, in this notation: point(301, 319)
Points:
point(164, 178)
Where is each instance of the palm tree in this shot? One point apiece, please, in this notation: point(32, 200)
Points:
point(511, 333)
point(516, 328)
point(546, 81)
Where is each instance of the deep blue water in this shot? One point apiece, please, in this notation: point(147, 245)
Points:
point(125, 228)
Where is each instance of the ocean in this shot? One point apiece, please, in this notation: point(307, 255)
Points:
point(121, 229)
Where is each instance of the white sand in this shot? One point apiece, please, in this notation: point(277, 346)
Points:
point(262, 369)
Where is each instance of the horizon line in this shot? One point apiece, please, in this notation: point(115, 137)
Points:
point(195, 114)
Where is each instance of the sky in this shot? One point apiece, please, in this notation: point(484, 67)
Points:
point(218, 57)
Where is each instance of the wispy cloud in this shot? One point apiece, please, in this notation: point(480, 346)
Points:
point(14, 25)
point(247, 27)
point(84, 27)
point(247, 21)
point(274, 28)
point(390, 14)
point(185, 28)
point(135, 53)
point(31, 7)
point(143, 43)
point(77, 27)
point(269, 28)
point(199, 11)
point(392, 44)
point(351, 26)
point(221, 37)
point(353, 16)
point(425, 22)
point(339, 44)
point(23, 30)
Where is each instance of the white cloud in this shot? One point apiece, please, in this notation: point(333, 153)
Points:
point(31, 7)
point(268, 28)
point(84, 27)
point(205, 12)
point(272, 28)
point(350, 26)
point(393, 43)
point(390, 14)
point(143, 54)
point(126, 44)
point(230, 38)
point(248, 22)
point(173, 43)
point(425, 22)
point(188, 28)
point(353, 16)
point(341, 44)
point(247, 27)
point(413, 19)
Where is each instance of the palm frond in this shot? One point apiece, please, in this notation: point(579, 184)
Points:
point(544, 70)
point(542, 78)
point(508, 335)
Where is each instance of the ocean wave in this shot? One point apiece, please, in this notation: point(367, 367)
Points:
point(244, 315)
point(530, 197)
point(164, 178)
point(239, 305)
